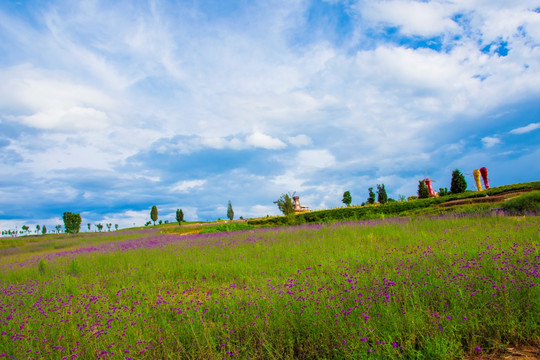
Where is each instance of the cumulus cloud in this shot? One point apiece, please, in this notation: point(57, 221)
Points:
point(260, 140)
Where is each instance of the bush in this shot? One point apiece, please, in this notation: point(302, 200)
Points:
point(529, 202)
point(226, 228)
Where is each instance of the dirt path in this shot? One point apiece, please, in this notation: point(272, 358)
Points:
point(486, 199)
point(511, 353)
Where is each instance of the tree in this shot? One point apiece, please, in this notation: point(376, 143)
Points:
point(25, 228)
point(37, 229)
point(109, 226)
point(116, 227)
point(347, 199)
point(89, 225)
point(230, 212)
point(382, 197)
point(371, 198)
point(72, 222)
point(154, 214)
point(443, 192)
point(285, 204)
point(458, 184)
point(58, 227)
point(423, 191)
point(44, 230)
point(99, 227)
point(179, 216)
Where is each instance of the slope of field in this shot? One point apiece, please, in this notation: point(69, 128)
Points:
point(402, 208)
point(425, 288)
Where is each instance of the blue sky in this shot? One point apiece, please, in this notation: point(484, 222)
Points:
point(108, 108)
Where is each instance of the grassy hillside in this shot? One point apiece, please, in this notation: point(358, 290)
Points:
point(401, 208)
point(424, 288)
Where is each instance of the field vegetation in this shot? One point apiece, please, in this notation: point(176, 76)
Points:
point(427, 287)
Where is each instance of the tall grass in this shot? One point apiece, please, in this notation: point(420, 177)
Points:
point(428, 288)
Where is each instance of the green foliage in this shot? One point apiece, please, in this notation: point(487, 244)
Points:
point(423, 191)
point(347, 199)
point(99, 227)
point(529, 202)
point(443, 192)
point(44, 230)
point(225, 228)
point(371, 198)
point(230, 212)
point(285, 204)
point(74, 268)
point(42, 266)
point(154, 214)
point(382, 197)
point(458, 183)
point(179, 216)
point(72, 222)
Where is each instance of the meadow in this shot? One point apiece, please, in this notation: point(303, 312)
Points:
point(439, 287)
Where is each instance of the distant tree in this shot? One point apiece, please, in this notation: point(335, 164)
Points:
point(371, 198)
point(230, 212)
point(99, 227)
point(443, 191)
point(154, 214)
point(147, 223)
point(179, 216)
point(285, 204)
point(116, 227)
point(58, 227)
point(37, 229)
point(160, 222)
point(89, 226)
point(423, 191)
point(109, 226)
point(347, 199)
point(44, 230)
point(402, 197)
point(72, 222)
point(382, 197)
point(25, 228)
point(458, 184)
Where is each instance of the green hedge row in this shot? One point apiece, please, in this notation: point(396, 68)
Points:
point(391, 208)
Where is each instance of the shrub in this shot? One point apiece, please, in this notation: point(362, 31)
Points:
point(529, 202)
point(226, 228)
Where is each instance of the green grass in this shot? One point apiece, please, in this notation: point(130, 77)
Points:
point(425, 288)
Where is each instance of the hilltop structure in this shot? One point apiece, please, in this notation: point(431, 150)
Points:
point(296, 205)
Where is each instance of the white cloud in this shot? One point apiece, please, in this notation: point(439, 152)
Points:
point(525, 129)
point(314, 159)
point(414, 17)
point(300, 140)
point(259, 140)
point(490, 141)
point(187, 185)
point(73, 119)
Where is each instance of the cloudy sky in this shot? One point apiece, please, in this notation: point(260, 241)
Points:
point(108, 108)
